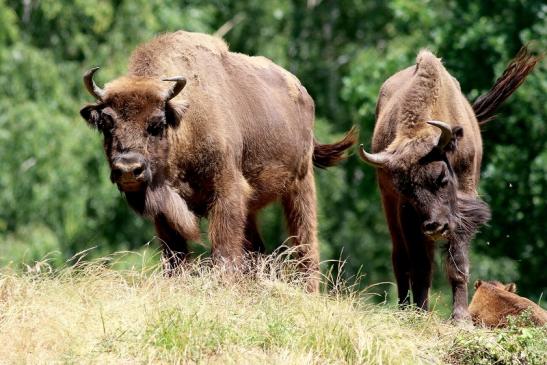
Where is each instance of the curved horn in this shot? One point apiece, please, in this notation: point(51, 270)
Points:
point(91, 86)
point(374, 159)
point(446, 132)
point(180, 82)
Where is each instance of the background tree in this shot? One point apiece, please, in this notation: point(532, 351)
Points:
point(54, 189)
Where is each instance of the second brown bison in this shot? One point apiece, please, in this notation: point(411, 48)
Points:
point(428, 150)
point(225, 137)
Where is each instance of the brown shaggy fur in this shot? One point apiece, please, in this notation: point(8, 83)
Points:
point(422, 183)
point(493, 302)
point(238, 137)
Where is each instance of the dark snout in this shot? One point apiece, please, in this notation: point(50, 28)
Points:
point(436, 229)
point(130, 172)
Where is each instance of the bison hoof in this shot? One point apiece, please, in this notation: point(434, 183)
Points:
point(461, 316)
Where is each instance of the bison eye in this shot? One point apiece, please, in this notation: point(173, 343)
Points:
point(106, 123)
point(156, 127)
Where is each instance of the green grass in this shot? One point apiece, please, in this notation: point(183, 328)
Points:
point(91, 313)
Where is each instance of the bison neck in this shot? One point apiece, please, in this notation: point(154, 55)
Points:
point(136, 201)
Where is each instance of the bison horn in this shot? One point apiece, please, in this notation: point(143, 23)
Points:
point(180, 82)
point(374, 159)
point(91, 86)
point(446, 133)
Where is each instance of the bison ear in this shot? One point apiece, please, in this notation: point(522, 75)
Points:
point(457, 134)
point(512, 287)
point(91, 114)
point(477, 284)
point(174, 111)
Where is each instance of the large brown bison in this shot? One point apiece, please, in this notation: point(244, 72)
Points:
point(238, 137)
point(428, 149)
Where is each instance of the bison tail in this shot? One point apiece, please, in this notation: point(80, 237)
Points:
point(514, 75)
point(327, 155)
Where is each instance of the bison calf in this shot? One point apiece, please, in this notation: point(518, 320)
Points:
point(493, 302)
point(194, 130)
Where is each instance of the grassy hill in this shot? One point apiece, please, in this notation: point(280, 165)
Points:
point(91, 313)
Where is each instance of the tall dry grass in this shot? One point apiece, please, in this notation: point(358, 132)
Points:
point(91, 313)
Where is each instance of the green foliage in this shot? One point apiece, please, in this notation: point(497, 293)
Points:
point(8, 20)
point(54, 187)
point(518, 343)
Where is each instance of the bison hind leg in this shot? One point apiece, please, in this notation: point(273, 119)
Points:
point(299, 205)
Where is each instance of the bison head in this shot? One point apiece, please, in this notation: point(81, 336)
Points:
point(420, 170)
point(511, 287)
point(134, 115)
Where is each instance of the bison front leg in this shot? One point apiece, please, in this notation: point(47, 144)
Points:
point(399, 255)
point(227, 218)
point(457, 267)
point(299, 205)
point(174, 246)
point(400, 262)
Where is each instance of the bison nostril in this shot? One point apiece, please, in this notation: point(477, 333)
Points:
point(430, 226)
point(138, 171)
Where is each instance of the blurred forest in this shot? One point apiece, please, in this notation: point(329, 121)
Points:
point(55, 195)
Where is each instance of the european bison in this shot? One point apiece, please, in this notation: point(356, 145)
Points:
point(493, 302)
point(238, 137)
point(427, 149)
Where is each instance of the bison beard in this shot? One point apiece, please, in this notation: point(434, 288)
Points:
point(472, 213)
point(164, 201)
